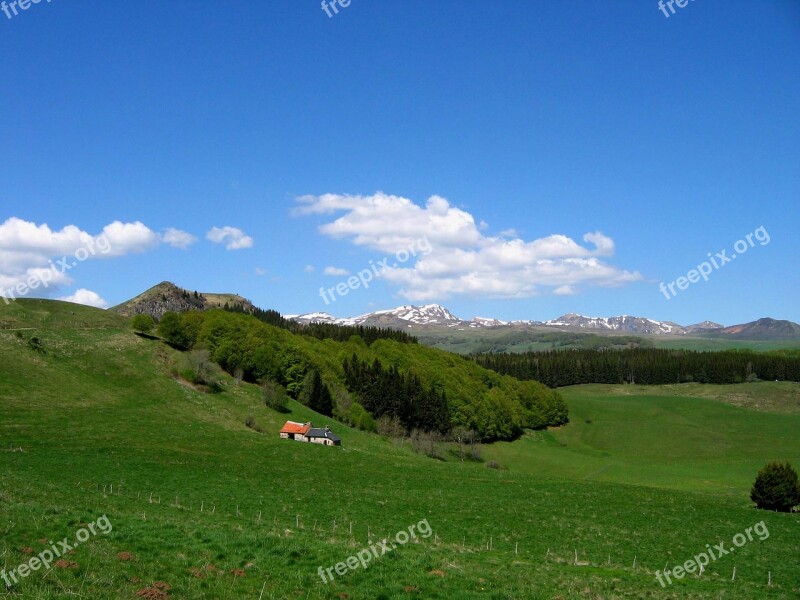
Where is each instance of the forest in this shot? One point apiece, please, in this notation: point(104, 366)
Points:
point(647, 366)
point(360, 382)
point(389, 392)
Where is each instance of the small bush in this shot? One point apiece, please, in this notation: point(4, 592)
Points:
point(493, 464)
point(171, 330)
point(274, 396)
point(776, 488)
point(36, 344)
point(143, 323)
point(358, 417)
point(196, 367)
point(251, 423)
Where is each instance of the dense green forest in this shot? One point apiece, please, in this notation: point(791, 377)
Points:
point(647, 366)
point(392, 393)
point(425, 388)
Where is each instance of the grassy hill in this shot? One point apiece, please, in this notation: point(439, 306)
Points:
point(214, 509)
point(688, 436)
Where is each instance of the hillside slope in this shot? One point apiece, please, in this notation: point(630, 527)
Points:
point(95, 424)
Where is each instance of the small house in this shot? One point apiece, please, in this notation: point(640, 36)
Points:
point(295, 431)
point(317, 435)
point(304, 432)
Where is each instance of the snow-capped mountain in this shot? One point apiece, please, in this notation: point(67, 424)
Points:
point(484, 322)
point(435, 316)
point(316, 317)
point(623, 323)
point(408, 315)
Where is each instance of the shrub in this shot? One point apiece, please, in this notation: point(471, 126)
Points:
point(776, 488)
point(391, 427)
point(171, 329)
point(143, 323)
point(197, 368)
point(274, 395)
point(493, 464)
point(358, 417)
point(250, 422)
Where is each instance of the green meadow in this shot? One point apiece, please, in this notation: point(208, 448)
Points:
point(94, 423)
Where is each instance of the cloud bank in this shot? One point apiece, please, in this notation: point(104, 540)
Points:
point(464, 260)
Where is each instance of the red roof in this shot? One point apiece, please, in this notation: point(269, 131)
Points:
point(292, 427)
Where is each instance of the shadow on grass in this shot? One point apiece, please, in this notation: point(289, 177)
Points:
point(147, 336)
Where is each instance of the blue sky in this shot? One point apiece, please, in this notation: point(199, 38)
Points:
point(502, 133)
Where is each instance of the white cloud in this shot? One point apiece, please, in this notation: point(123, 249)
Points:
point(43, 258)
point(463, 260)
point(391, 223)
point(336, 271)
point(233, 237)
point(127, 238)
point(309, 268)
point(564, 290)
point(87, 297)
point(177, 238)
point(260, 272)
point(33, 278)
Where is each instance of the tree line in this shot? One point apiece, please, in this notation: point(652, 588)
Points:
point(647, 366)
point(324, 331)
point(390, 392)
point(418, 387)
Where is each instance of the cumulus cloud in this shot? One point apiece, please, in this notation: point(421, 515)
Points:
point(178, 239)
point(309, 268)
point(127, 238)
point(463, 260)
point(233, 237)
point(337, 271)
point(43, 258)
point(87, 297)
point(564, 290)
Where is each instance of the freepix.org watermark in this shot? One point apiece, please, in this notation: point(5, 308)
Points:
point(365, 276)
point(363, 557)
point(664, 4)
point(43, 277)
point(10, 8)
point(331, 6)
point(719, 260)
point(699, 562)
point(47, 556)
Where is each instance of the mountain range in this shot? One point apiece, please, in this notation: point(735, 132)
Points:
point(437, 316)
point(167, 296)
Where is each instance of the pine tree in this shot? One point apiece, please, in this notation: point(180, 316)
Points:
point(321, 400)
point(776, 488)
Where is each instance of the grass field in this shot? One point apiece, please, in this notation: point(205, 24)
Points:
point(690, 436)
point(709, 344)
point(216, 510)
